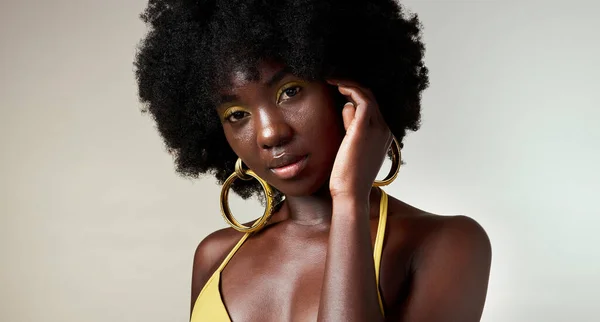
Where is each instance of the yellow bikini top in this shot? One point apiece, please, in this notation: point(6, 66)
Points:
point(209, 306)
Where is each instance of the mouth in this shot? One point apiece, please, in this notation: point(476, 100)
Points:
point(289, 166)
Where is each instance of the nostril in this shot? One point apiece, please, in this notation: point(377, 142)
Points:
point(275, 144)
point(274, 136)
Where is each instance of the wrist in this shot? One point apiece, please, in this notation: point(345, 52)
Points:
point(350, 195)
point(350, 206)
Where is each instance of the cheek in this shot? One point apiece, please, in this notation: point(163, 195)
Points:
point(324, 118)
point(320, 127)
point(239, 139)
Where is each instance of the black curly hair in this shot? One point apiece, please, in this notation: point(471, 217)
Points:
point(192, 47)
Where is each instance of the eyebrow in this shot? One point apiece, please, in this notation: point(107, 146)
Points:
point(276, 78)
point(223, 99)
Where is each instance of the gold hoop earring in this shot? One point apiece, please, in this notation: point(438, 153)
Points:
point(396, 159)
point(248, 174)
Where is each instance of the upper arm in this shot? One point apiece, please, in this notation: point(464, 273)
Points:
point(451, 274)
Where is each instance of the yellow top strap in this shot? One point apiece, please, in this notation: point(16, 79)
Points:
point(232, 252)
point(383, 205)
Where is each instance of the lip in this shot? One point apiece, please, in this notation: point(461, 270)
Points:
point(288, 166)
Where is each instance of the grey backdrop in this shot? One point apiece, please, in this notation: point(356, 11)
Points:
point(96, 226)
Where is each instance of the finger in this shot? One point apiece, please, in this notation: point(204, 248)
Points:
point(361, 103)
point(343, 82)
point(366, 113)
point(348, 114)
point(348, 83)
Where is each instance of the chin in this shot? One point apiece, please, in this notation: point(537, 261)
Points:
point(304, 186)
point(313, 179)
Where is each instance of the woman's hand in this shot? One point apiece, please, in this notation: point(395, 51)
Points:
point(349, 291)
point(364, 147)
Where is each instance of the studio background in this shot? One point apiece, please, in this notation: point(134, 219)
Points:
point(95, 225)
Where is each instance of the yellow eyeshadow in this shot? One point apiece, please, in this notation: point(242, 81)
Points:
point(287, 86)
point(229, 111)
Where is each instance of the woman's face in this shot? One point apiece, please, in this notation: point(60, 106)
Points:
point(285, 129)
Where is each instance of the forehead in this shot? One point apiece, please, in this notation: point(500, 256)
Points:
point(264, 72)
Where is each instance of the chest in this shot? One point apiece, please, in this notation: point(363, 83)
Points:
point(274, 282)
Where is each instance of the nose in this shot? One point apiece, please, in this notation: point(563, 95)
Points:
point(272, 129)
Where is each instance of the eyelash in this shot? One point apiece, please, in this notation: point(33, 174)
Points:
point(286, 88)
point(228, 115)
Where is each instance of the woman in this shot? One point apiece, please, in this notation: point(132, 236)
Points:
point(298, 102)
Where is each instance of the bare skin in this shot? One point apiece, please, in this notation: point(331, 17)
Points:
point(314, 262)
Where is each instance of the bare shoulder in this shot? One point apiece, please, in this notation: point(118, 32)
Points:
point(461, 231)
point(214, 247)
point(459, 238)
point(211, 251)
point(425, 230)
point(450, 258)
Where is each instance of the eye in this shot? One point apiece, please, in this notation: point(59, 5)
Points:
point(235, 116)
point(291, 92)
point(288, 91)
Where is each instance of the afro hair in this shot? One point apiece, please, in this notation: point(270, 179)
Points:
point(192, 47)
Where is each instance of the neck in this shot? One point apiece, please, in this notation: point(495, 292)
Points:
point(316, 209)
